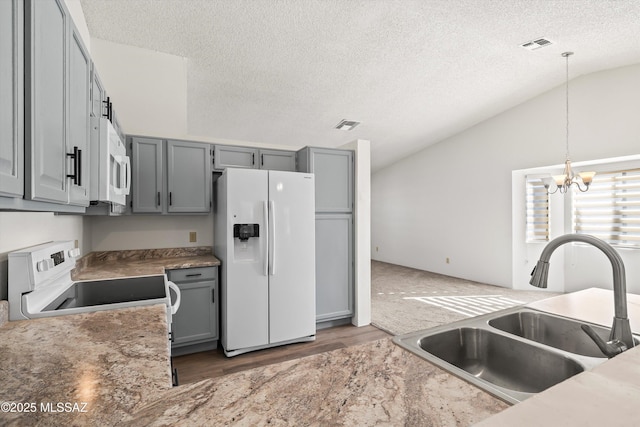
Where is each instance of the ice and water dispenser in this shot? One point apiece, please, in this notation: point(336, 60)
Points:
point(245, 242)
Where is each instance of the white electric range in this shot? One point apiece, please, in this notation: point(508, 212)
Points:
point(40, 285)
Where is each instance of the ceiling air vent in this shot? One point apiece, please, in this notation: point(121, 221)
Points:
point(347, 125)
point(536, 44)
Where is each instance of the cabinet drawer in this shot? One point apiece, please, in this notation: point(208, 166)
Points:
point(193, 274)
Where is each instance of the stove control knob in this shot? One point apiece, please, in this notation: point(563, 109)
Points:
point(73, 253)
point(45, 264)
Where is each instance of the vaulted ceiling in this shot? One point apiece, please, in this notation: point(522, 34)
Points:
point(413, 72)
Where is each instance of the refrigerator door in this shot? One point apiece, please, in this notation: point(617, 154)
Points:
point(246, 288)
point(292, 307)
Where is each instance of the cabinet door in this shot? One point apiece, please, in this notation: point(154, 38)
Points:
point(46, 101)
point(11, 99)
point(189, 176)
point(147, 175)
point(278, 160)
point(79, 122)
point(333, 170)
point(197, 318)
point(98, 94)
point(334, 266)
point(227, 156)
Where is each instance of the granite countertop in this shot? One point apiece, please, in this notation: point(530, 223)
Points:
point(118, 363)
point(377, 383)
point(99, 365)
point(141, 262)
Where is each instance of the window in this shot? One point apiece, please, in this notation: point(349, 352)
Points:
point(610, 210)
point(537, 200)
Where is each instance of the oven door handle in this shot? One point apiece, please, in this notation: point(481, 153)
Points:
point(176, 289)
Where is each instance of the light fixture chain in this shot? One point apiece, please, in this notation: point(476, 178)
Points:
point(567, 105)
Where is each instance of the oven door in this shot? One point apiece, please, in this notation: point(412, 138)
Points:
point(104, 294)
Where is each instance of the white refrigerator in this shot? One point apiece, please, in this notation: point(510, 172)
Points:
point(264, 236)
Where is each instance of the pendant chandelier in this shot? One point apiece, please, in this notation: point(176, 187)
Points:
point(564, 182)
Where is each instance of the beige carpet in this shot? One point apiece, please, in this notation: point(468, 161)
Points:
point(406, 300)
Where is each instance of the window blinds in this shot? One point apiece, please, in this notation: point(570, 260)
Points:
point(610, 210)
point(537, 211)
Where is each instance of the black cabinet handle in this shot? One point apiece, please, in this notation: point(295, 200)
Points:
point(170, 198)
point(261, 159)
point(158, 198)
point(213, 295)
point(193, 275)
point(109, 114)
point(76, 165)
point(253, 158)
point(174, 374)
point(79, 172)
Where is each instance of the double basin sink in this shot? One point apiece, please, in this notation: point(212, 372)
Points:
point(512, 354)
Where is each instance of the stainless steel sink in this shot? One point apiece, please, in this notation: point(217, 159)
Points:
point(511, 354)
point(501, 360)
point(554, 331)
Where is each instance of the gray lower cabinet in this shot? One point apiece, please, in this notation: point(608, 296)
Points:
point(57, 73)
point(11, 99)
point(334, 267)
point(170, 176)
point(195, 325)
point(333, 170)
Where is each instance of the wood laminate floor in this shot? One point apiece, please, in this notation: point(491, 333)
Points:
point(209, 364)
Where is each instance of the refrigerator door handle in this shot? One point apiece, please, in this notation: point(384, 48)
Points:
point(272, 238)
point(266, 244)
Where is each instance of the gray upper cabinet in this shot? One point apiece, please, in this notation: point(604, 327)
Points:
point(189, 176)
point(57, 70)
point(228, 156)
point(11, 99)
point(79, 128)
point(98, 94)
point(46, 145)
point(279, 160)
point(333, 170)
point(170, 176)
point(147, 175)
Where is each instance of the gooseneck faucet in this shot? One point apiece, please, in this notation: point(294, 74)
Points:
point(620, 338)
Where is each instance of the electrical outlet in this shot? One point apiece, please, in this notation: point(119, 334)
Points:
point(376, 249)
point(192, 236)
point(75, 244)
point(447, 260)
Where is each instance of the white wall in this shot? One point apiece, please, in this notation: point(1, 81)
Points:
point(146, 231)
point(362, 231)
point(149, 93)
point(22, 229)
point(148, 88)
point(453, 199)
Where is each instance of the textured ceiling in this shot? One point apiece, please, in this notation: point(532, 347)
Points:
point(412, 72)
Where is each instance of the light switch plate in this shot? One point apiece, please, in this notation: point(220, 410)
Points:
point(192, 236)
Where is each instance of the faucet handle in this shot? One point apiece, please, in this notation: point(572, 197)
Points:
point(609, 348)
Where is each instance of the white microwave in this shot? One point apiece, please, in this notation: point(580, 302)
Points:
point(110, 165)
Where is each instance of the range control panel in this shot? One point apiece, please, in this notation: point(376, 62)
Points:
point(37, 265)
